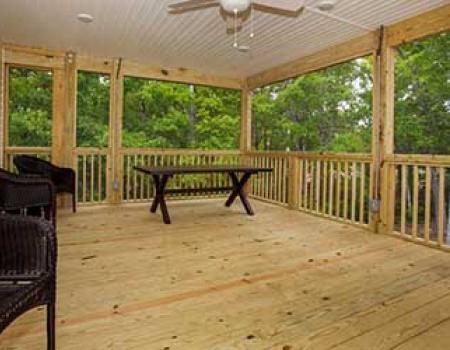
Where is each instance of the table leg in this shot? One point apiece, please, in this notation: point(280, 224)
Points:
point(238, 190)
point(160, 185)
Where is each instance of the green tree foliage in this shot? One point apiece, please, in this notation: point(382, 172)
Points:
point(328, 110)
point(422, 104)
point(169, 115)
point(92, 109)
point(30, 107)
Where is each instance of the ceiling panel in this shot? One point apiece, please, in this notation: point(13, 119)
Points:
point(143, 31)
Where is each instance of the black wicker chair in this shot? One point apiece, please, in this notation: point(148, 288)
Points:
point(28, 252)
point(27, 195)
point(63, 178)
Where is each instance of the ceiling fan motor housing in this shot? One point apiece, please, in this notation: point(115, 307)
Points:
point(235, 5)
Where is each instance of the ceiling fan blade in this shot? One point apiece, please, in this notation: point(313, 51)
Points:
point(193, 8)
point(291, 8)
point(189, 3)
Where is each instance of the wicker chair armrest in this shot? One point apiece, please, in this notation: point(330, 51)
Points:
point(28, 247)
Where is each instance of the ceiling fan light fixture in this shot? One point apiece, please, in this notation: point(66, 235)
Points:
point(326, 5)
point(235, 5)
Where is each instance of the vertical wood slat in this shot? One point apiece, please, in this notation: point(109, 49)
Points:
point(426, 233)
point(318, 166)
point(324, 186)
point(100, 178)
point(301, 184)
point(441, 206)
point(354, 179)
point(346, 176)
point(91, 180)
point(338, 190)
point(362, 190)
point(311, 184)
point(403, 184)
point(371, 173)
point(330, 193)
point(84, 179)
point(415, 214)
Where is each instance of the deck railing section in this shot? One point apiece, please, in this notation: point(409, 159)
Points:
point(271, 187)
point(138, 187)
point(421, 206)
point(91, 165)
point(336, 185)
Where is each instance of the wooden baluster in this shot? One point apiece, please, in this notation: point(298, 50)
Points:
point(426, 233)
point(306, 185)
point(91, 179)
point(403, 199)
point(441, 206)
point(330, 192)
point(318, 166)
point(311, 184)
point(100, 178)
point(346, 176)
point(84, 178)
point(362, 190)
point(128, 177)
point(338, 190)
point(324, 187)
point(301, 187)
point(354, 192)
point(370, 192)
point(415, 201)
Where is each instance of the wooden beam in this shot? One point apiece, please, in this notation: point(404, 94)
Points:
point(37, 58)
point(95, 64)
point(359, 47)
point(246, 121)
point(64, 114)
point(386, 143)
point(115, 164)
point(422, 25)
point(179, 75)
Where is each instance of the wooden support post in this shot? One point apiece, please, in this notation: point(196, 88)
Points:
point(64, 104)
point(384, 147)
point(245, 141)
point(115, 163)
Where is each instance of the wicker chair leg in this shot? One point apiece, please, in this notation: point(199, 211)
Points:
point(74, 203)
point(51, 344)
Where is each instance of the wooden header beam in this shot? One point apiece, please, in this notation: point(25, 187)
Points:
point(414, 28)
point(422, 25)
point(359, 47)
point(42, 58)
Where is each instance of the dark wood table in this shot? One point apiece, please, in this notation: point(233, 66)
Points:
point(161, 176)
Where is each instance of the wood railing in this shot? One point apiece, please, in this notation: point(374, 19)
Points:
point(91, 165)
point(337, 186)
point(137, 186)
point(420, 208)
point(11, 152)
point(271, 187)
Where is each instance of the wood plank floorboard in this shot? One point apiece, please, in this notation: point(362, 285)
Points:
point(217, 279)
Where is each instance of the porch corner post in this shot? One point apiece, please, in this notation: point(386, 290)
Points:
point(64, 112)
point(383, 215)
point(115, 163)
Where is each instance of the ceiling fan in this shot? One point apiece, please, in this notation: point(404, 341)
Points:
point(236, 12)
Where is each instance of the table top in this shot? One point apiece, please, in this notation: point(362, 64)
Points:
point(195, 169)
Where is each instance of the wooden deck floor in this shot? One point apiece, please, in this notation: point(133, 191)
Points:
point(219, 280)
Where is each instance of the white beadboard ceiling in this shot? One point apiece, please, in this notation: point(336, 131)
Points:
point(143, 31)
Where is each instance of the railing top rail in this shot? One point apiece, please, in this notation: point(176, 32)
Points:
point(90, 151)
point(22, 150)
point(365, 157)
point(419, 159)
point(187, 152)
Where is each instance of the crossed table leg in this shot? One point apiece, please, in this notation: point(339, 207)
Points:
point(160, 183)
